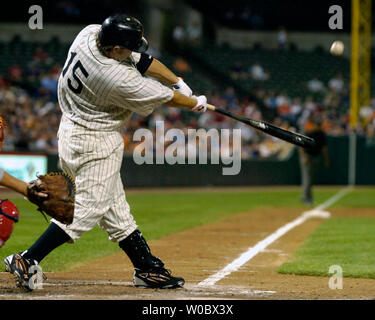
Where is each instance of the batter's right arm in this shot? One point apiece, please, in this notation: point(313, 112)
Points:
point(194, 103)
point(160, 72)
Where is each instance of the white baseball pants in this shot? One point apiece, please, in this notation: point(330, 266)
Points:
point(93, 159)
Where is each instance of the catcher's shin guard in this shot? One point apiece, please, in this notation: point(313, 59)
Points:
point(149, 271)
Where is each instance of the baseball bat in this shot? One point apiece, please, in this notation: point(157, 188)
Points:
point(289, 136)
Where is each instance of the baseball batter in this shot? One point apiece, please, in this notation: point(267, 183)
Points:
point(101, 85)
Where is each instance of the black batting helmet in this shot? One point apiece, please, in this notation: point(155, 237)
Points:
point(124, 31)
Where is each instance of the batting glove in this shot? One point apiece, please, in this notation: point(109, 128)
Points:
point(201, 105)
point(182, 87)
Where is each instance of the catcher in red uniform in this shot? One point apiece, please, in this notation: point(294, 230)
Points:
point(8, 216)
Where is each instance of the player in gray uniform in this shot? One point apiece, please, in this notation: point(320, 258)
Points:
point(101, 85)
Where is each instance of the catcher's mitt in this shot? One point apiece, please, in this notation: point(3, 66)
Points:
point(61, 193)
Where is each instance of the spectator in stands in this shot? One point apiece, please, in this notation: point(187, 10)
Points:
point(332, 100)
point(310, 105)
point(248, 134)
point(327, 123)
point(270, 100)
point(238, 71)
point(3, 83)
point(41, 143)
point(248, 108)
point(295, 110)
point(315, 85)
point(180, 65)
point(55, 72)
point(282, 99)
point(41, 57)
point(282, 38)
point(33, 68)
point(230, 97)
point(194, 33)
point(48, 85)
point(366, 114)
point(257, 72)
point(15, 74)
point(179, 34)
point(250, 151)
point(284, 111)
point(336, 83)
point(217, 100)
point(267, 147)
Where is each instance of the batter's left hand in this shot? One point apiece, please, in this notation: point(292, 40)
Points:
point(182, 87)
point(201, 105)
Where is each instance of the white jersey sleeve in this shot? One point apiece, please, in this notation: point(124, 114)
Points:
point(136, 57)
point(141, 94)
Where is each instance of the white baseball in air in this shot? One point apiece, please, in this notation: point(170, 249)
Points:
point(337, 48)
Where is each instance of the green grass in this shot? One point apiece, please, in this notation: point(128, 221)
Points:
point(347, 242)
point(159, 214)
point(363, 197)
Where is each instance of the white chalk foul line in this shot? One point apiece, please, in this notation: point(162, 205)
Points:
point(334, 198)
point(253, 251)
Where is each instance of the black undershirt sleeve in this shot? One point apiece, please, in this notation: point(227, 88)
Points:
point(144, 62)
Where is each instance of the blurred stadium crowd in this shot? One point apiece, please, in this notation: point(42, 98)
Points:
point(28, 102)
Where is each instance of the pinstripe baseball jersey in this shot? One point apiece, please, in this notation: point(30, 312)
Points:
point(100, 93)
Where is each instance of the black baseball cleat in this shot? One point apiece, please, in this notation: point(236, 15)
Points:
point(157, 278)
point(25, 271)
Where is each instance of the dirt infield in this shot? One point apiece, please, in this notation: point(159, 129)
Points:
point(200, 252)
